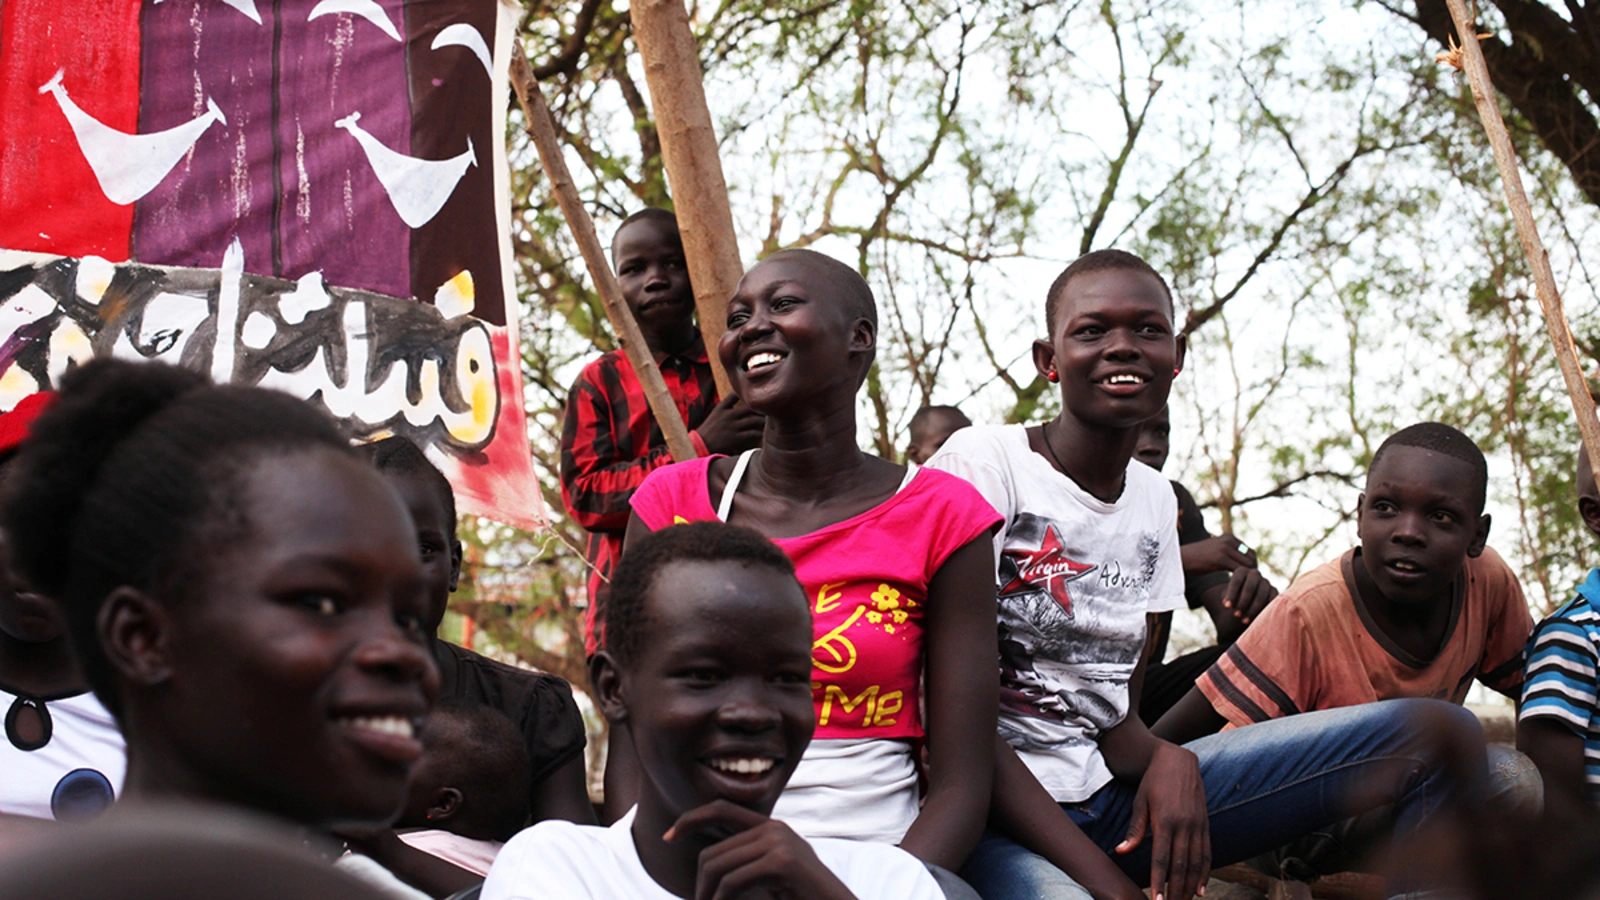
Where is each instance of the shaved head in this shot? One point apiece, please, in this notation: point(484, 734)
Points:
point(842, 281)
point(837, 283)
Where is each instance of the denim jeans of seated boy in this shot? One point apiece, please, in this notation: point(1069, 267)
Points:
point(1271, 782)
point(1514, 790)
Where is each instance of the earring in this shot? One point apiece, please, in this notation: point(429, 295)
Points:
point(1052, 377)
point(1175, 371)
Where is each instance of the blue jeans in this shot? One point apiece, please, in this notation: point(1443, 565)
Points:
point(1272, 782)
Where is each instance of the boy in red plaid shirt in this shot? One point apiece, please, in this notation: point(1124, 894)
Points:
point(610, 441)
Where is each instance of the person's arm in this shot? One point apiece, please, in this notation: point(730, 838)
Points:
point(597, 478)
point(962, 687)
point(1160, 632)
point(1558, 703)
point(1170, 801)
point(1190, 718)
point(564, 794)
point(555, 735)
point(1558, 752)
point(1505, 649)
point(1025, 812)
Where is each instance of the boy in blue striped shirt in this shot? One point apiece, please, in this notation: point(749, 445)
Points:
point(1559, 726)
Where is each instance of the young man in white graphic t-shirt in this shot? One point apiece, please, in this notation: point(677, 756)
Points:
point(1088, 556)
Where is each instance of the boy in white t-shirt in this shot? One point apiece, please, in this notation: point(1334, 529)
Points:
point(717, 704)
point(1086, 800)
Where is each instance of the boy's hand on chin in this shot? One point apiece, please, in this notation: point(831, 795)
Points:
point(759, 858)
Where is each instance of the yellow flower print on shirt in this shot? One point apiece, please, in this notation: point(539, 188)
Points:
point(889, 608)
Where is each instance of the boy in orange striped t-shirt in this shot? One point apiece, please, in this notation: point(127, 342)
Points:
point(1420, 609)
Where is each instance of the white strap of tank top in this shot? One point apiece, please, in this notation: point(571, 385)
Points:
point(725, 505)
point(743, 462)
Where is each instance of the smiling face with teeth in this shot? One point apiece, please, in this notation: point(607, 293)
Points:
point(718, 700)
point(801, 326)
point(292, 675)
point(1114, 347)
point(1418, 522)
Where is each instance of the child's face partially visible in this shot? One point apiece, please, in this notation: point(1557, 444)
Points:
point(1417, 524)
point(25, 615)
point(297, 670)
point(436, 541)
point(928, 434)
point(1155, 441)
point(719, 699)
point(1114, 348)
point(653, 276)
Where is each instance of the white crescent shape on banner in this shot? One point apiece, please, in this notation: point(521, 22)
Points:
point(366, 9)
point(128, 166)
point(463, 35)
point(248, 7)
point(418, 188)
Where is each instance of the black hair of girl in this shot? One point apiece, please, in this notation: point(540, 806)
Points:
point(626, 620)
point(1097, 261)
point(133, 479)
point(400, 456)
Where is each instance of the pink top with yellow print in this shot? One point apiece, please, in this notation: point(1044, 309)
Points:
point(867, 579)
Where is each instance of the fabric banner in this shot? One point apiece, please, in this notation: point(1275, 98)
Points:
point(310, 195)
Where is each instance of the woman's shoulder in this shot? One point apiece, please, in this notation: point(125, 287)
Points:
point(678, 477)
point(946, 489)
point(676, 491)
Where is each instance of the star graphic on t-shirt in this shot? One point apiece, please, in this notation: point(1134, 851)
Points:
point(1045, 568)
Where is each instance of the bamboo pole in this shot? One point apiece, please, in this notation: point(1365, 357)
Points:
point(542, 129)
point(694, 168)
point(1470, 57)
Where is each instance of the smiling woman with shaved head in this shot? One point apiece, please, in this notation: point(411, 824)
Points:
point(897, 569)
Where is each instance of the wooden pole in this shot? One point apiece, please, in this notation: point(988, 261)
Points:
point(1470, 57)
point(542, 129)
point(694, 168)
